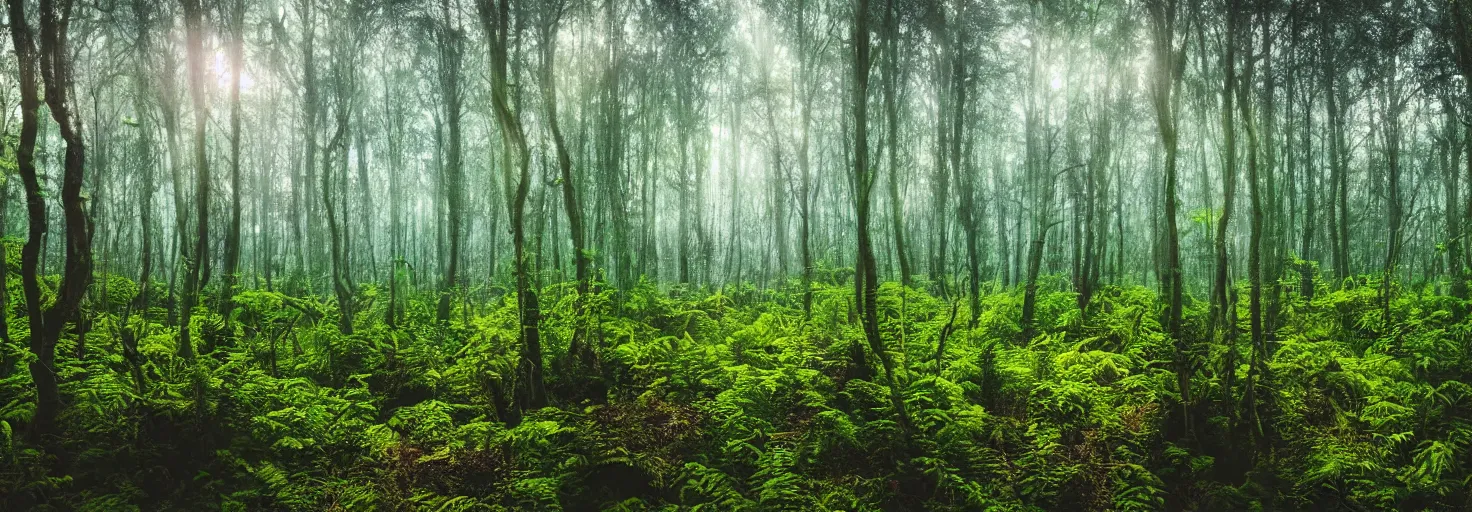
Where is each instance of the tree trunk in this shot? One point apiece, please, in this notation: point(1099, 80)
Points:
point(56, 73)
point(1453, 210)
point(232, 235)
point(195, 261)
point(1169, 64)
point(570, 203)
point(1258, 366)
point(866, 275)
point(892, 124)
point(147, 166)
point(530, 392)
point(940, 176)
point(454, 175)
point(1220, 292)
point(306, 229)
point(1391, 129)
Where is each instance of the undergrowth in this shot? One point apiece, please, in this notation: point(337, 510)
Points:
point(735, 399)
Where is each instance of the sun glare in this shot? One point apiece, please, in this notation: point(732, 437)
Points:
point(220, 67)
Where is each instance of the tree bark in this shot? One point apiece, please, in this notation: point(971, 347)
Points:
point(46, 323)
point(570, 203)
point(1220, 293)
point(530, 392)
point(195, 261)
point(454, 174)
point(866, 274)
point(232, 234)
point(1169, 64)
point(892, 127)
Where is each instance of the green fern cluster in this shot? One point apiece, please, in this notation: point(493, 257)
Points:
point(737, 399)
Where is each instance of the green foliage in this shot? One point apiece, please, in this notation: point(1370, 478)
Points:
point(731, 400)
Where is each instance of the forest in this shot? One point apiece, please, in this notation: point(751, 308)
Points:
point(712, 255)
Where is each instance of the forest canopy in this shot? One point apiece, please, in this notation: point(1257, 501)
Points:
point(460, 255)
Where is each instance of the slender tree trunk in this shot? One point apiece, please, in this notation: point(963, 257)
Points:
point(1169, 63)
point(308, 263)
point(940, 175)
point(734, 253)
point(147, 166)
point(1311, 193)
point(1453, 210)
point(454, 174)
point(530, 391)
point(866, 274)
point(892, 135)
point(232, 235)
point(613, 150)
point(1042, 184)
point(1220, 293)
point(570, 203)
point(338, 255)
point(1395, 215)
point(195, 261)
point(394, 127)
point(804, 167)
point(1254, 255)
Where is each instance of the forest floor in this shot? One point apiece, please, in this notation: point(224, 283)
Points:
point(732, 400)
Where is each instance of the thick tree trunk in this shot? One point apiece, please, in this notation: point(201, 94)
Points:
point(43, 373)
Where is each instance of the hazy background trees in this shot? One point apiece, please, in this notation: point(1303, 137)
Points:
point(378, 149)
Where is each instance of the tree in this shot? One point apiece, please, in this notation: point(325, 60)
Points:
point(450, 49)
point(892, 135)
point(1169, 62)
point(143, 16)
point(193, 282)
point(1042, 180)
point(307, 264)
point(232, 233)
point(1223, 311)
point(495, 16)
point(47, 322)
point(866, 276)
point(964, 175)
point(552, 15)
point(1254, 254)
point(1459, 24)
point(804, 34)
